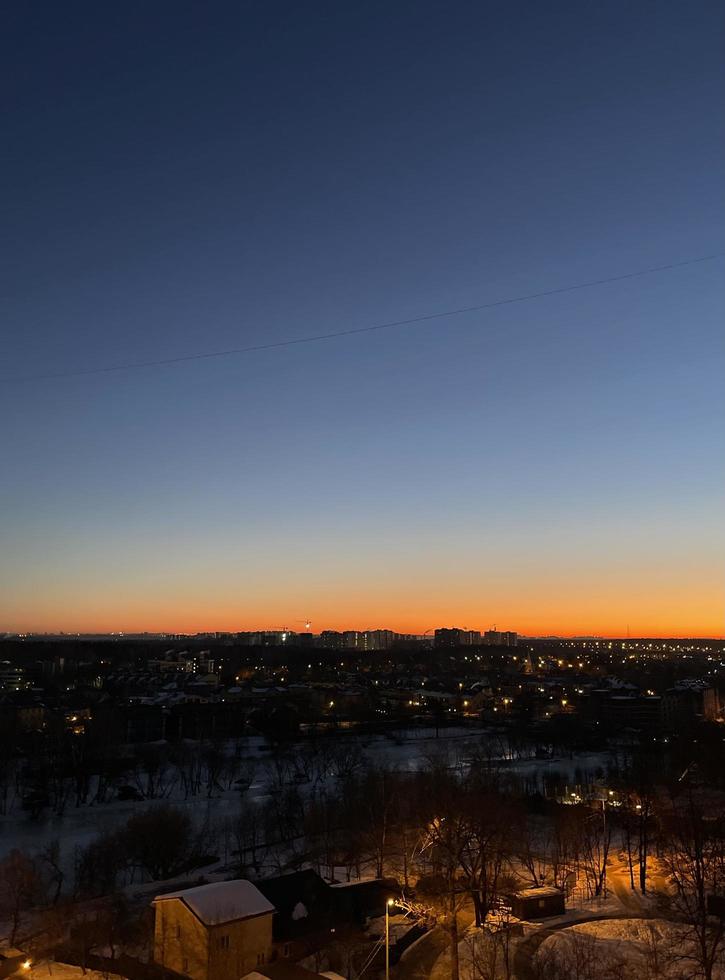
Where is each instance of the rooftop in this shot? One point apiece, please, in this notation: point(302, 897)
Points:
point(222, 901)
point(543, 891)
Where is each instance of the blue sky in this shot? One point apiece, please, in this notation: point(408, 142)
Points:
point(183, 177)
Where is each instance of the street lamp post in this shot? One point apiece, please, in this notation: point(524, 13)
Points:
point(388, 905)
point(605, 848)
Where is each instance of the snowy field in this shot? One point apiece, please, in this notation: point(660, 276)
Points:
point(408, 751)
point(45, 969)
point(630, 949)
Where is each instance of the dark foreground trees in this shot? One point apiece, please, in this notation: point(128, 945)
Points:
point(158, 842)
point(693, 856)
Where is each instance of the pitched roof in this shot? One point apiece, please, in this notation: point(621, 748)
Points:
point(286, 890)
point(222, 901)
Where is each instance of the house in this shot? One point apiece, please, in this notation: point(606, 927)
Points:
point(308, 910)
point(358, 901)
point(537, 903)
point(303, 907)
point(220, 931)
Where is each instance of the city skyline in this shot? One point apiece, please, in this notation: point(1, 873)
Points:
point(363, 625)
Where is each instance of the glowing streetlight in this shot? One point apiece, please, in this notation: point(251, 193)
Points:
point(388, 905)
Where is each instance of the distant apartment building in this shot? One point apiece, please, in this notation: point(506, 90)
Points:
point(378, 639)
point(689, 702)
point(617, 711)
point(267, 638)
point(456, 637)
point(331, 639)
point(500, 638)
point(685, 704)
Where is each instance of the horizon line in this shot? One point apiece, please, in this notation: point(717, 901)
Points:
point(426, 634)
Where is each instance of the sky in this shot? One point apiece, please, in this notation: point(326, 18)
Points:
point(182, 177)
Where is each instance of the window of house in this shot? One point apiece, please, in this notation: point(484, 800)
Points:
point(185, 965)
point(260, 959)
point(224, 942)
point(542, 903)
point(178, 932)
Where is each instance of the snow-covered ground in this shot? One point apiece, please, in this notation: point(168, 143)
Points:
point(44, 969)
point(408, 751)
point(628, 948)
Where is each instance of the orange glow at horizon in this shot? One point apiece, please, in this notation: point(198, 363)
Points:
point(693, 620)
point(679, 597)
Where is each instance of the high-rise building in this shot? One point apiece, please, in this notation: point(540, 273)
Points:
point(331, 639)
point(379, 639)
point(456, 637)
point(500, 638)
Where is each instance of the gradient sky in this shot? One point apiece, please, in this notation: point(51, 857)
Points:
point(182, 177)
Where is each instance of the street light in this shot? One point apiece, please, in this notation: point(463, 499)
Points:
point(388, 905)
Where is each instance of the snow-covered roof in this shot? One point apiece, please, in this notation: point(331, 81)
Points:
point(543, 891)
point(222, 901)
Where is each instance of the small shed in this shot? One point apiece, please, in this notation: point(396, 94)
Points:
point(537, 903)
point(11, 960)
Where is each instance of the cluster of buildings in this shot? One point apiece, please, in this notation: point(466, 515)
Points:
point(291, 926)
point(360, 639)
point(270, 928)
point(179, 693)
point(455, 637)
point(626, 707)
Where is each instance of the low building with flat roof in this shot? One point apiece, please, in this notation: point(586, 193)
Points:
point(537, 903)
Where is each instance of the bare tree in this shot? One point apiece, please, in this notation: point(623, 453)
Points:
point(488, 954)
point(659, 953)
point(596, 838)
point(694, 857)
point(249, 836)
point(50, 857)
point(445, 839)
point(20, 888)
point(159, 841)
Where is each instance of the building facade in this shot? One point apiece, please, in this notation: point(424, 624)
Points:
point(220, 931)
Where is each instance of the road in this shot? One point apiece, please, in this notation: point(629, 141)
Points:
point(619, 882)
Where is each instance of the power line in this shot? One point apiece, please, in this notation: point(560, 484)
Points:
point(316, 338)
